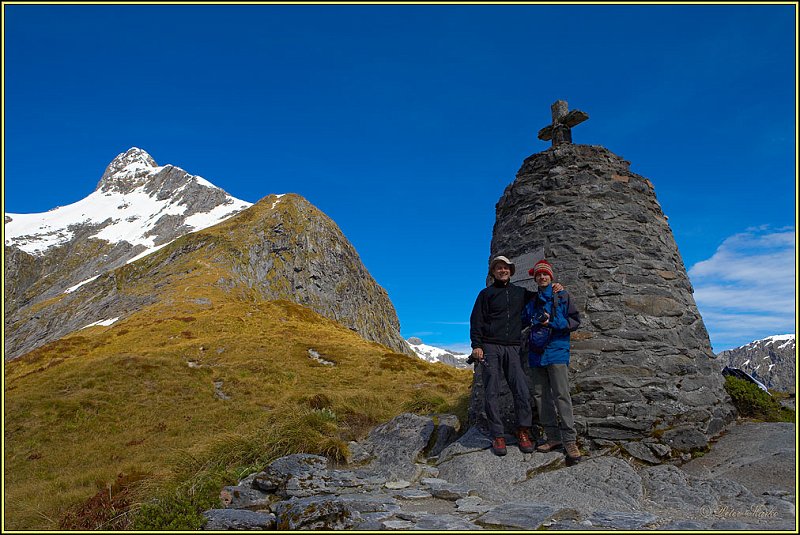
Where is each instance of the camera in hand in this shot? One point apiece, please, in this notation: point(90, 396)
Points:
point(541, 317)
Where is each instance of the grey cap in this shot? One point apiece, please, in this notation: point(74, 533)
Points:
point(497, 259)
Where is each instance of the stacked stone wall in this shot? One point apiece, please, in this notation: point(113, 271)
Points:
point(642, 365)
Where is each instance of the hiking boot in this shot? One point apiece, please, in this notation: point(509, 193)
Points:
point(550, 445)
point(524, 440)
point(573, 453)
point(499, 446)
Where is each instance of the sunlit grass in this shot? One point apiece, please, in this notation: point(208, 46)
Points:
point(144, 398)
point(186, 395)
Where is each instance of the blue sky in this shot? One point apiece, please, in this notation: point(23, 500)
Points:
point(405, 123)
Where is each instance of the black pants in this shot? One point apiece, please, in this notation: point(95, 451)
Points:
point(505, 360)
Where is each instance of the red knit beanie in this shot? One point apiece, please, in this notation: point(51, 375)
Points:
point(541, 266)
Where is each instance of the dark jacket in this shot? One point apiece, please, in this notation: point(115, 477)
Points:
point(565, 320)
point(497, 315)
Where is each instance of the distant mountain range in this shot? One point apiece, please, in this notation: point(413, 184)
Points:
point(437, 354)
point(771, 360)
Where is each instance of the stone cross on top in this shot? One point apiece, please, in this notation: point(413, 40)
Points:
point(560, 131)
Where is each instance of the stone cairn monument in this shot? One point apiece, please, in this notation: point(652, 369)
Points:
point(642, 368)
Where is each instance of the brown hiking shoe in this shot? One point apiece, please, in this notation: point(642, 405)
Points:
point(524, 441)
point(550, 445)
point(499, 446)
point(573, 453)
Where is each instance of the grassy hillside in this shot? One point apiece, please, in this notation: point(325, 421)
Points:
point(276, 249)
point(187, 395)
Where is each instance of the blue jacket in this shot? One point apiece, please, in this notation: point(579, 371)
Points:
point(565, 320)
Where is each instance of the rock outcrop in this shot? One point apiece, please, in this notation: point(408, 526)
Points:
point(642, 366)
point(771, 361)
point(285, 248)
point(394, 482)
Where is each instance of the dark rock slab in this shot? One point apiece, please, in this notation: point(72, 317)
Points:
point(447, 428)
point(472, 441)
point(640, 451)
point(238, 519)
point(396, 445)
point(444, 523)
point(315, 512)
point(618, 520)
point(527, 516)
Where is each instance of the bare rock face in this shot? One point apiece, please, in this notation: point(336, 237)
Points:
point(770, 360)
point(286, 248)
point(642, 365)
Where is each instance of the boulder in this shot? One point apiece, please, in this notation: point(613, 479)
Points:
point(396, 445)
point(238, 520)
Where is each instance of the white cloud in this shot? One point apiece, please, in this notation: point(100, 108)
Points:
point(729, 327)
point(420, 334)
point(746, 290)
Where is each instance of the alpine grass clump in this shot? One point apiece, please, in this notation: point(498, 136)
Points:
point(752, 402)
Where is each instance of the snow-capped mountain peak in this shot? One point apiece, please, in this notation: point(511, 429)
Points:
point(136, 201)
point(784, 340)
point(437, 354)
point(126, 171)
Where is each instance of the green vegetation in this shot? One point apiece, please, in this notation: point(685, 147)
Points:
point(752, 402)
point(122, 427)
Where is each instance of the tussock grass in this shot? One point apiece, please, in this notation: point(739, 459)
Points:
point(135, 410)
point(141, 423)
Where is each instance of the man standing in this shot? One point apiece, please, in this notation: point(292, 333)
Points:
point(496, 333)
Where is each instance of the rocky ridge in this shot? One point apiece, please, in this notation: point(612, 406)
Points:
point(67, 274)
point(770, 360)
point(642, 368)
point(410, 474)
point(286, 248)
point(136, 208)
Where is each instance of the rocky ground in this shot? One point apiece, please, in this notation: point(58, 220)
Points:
point(409, 474)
